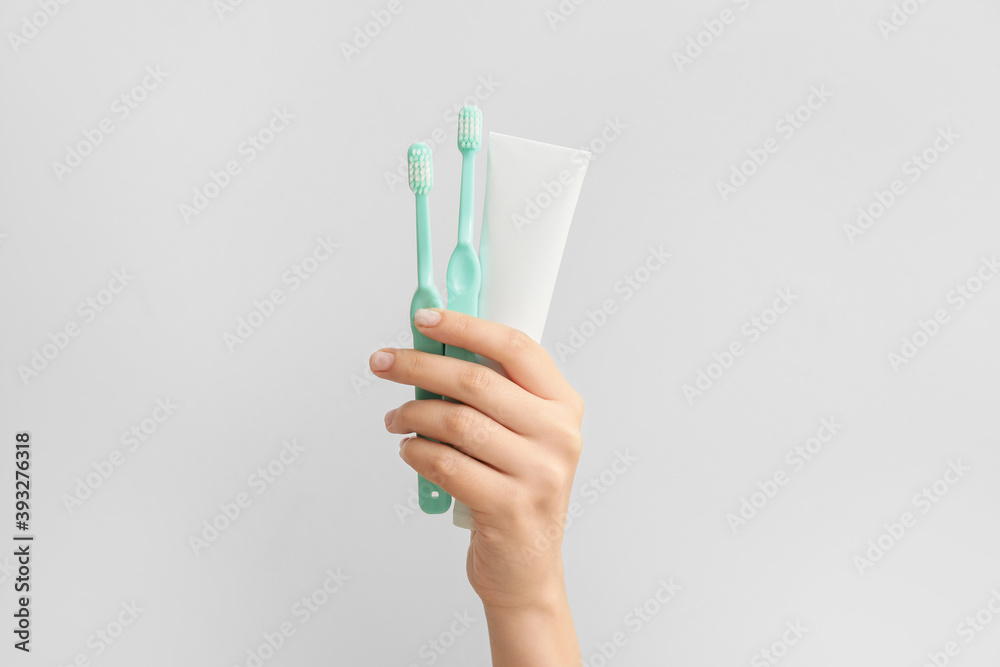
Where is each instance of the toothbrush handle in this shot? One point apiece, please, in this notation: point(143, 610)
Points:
point(466, 197)
point(432, 498)
point(425, 256)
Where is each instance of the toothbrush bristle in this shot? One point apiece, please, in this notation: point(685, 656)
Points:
point(420, 168)
point(470, 128)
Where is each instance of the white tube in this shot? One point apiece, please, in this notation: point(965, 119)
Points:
point(531, 193)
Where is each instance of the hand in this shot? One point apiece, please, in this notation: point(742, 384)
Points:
point(513, 446)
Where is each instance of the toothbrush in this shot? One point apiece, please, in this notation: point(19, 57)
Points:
point(464, 273)
point(433, 499)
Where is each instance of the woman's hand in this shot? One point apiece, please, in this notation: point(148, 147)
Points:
point(513, 446)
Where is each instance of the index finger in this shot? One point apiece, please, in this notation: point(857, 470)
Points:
point(524, 361)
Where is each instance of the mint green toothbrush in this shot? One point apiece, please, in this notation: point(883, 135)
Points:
point(464, 274)
point(432, 498)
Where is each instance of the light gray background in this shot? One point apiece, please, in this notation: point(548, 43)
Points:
point(302, 375)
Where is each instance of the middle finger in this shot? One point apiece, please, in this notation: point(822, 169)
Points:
point(461, 426)
point(479, 386)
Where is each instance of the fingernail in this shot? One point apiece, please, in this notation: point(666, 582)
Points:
point(426, 318)
point(389, 416)
point(404, 441)
point(382, 360)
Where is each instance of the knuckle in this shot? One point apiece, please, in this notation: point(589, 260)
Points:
point(568, 437)
point(406, 414)
point(411, 363)
point(575, 446)
point(460, 324)
point(518, 342)
point(405, 411)
point(442, 466)
point(459, 420)
point(481, 432)
point(476, 379)
point(550, 476)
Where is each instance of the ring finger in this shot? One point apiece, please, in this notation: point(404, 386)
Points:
point(461, 426)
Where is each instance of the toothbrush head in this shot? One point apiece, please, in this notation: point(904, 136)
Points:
point(420, 168)
point(470, 128)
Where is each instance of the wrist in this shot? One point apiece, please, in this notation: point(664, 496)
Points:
point(541, 590)
point(537, 632)
point(546, 598)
